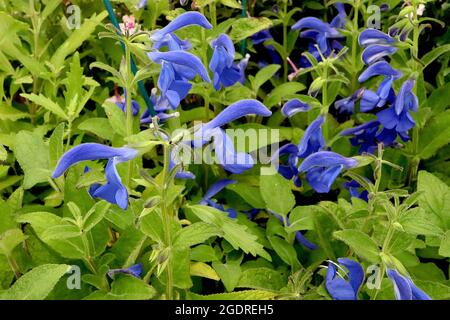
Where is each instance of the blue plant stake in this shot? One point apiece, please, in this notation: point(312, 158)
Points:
point(141, 85)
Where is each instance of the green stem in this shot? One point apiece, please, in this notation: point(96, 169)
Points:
point(285, 40)
point(167, 220)
point(87, 252)
point(69, 134)
point(213, 14)
point(129, 115)
point(355, 46)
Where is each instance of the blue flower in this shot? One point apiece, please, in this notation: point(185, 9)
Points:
point(365, 136)
point(134, 270)
point(177, 68)
point(294, 106)
point(354, 188)
point(312, 140)
point(347, 105)
point(385, 93)
point(405, 289)
point(223, 145)
point(215, 189)
point(142, 4)
point(166, 37)
point(298, 235)
point(374, 53)
point(398, 117)
point(121, 103)
point(226, 72)
point(323, 167)
point(113, 191)
point(161, 106)
point(338, 287)
point(325, 35)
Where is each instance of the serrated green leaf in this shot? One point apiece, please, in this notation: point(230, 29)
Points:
point(360, 243)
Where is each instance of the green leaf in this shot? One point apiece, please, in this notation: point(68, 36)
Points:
point(231, 3)
point(428, 58)
point(116, 118)
point(416, 221)
point(76, 38)
point(444, 249)
point(229, 273)
point(239, 236)
point(195, 234)
point(37, 283)
point(9, 240)
point(7, 112)
point(56, 145)
point(283, 92)
point(439, 99)
point(60, 232)
point(243, 28)
point(360, 243)
point(262, 278)
point(286, 251)
point(203, 270)
point(276, 192)
point(435, 135)
point(47, 104)
point(95, 215)
point(250, 194)
point(435, 197)
point(33, 156)
point(203, 253)
point(126, 287)
point(265, 74)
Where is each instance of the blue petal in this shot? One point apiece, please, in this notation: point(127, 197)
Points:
point(406, 89)
point(226, 154)
point(91, 151)
point(356, 272)
point(135, 270)
point(294, 106)
point(377, 69)
point(236, 111)
point(182, 58)
point(376, 52)
point(316, 24)
point(302, 240)
point(338, 288)
point(374, 36)
point(113, 191)
point(321, 179)
point(388, 118)
point(401, 285)
point(359, 129)
point(183, 20)
point(326, 159)
point(217, 187)
point(312, 140)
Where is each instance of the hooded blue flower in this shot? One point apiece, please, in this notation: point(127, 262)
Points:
point(323, 167)
point(134, 270)
point(113, 191)
point(298, 235)
point(162, 108)
point(177, 68)
point(398, 117)
point(385, 93)
point(365, 136)
point(226, 72)
point(376, 52)
point(312, 141)
point(404, 287)
point(223, 145)
point(339, 288)
point(166, 37)
point(121, 103)
point(323, 34)
point(347, 105)
point(294, 106)
point(377, 45)
point(215, 189)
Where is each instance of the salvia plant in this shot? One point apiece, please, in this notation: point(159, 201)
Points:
point(224, 149)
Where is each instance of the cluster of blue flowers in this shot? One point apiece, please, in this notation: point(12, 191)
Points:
point(341, 289)
point(393, 111)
